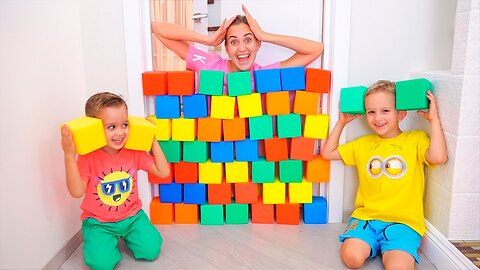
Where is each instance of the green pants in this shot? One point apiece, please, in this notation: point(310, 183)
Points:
point(100, 249)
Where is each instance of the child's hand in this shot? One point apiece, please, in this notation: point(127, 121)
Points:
point(149, 119)
point(432, 112)
point(254, 26)
point(68, 145)
point(345, 118)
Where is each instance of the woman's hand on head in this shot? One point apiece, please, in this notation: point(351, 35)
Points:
point(218, 36)
point(254, 26)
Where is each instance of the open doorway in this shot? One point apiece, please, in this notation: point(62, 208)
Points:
point(303, 18)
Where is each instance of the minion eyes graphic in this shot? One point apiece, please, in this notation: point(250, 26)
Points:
point(123, 186)
point(393, 167)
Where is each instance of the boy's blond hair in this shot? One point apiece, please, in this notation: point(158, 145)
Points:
point(381, 86)
point(102, 100)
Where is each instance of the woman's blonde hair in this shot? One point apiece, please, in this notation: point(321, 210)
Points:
point(238, 20)
point(102, 100)
point(381, 86)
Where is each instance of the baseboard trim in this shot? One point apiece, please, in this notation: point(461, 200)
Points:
point(64, 253)
point(441, 253)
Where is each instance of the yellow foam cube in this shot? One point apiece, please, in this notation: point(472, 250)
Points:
point(184, 129)
point(88, 134)
point(274, 193)
point(223, 107)
point(249, 105)
point(236, 172)
point(210, 172)
point(163, 128)
point(142, 133)
point(316, 126)
point(300, 192)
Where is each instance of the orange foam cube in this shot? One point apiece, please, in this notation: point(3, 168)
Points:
point(318, 170)
point(317, 80)
point(154, 83)
point(234, 129)
point(277, 103)
point(219, 193)
point(186, 172)
point(263, 213)
point(287, 213)
point(186, 213)
point(306, 102)
point(153, 179)
point(276, 149)
point(181, 83)
point(302, 148)
point(161, 213)
point(246, 192)
point(209, 130)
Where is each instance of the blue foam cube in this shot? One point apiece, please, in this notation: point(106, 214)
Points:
point(267, 80)
point(167, 107)
point(195, 106)
point(315, 212)
point(170, 193)
point(194, 193)
point(293, 78)
point(246, 150)
point(221, 151)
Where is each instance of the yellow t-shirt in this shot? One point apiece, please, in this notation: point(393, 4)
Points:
point(391, 177)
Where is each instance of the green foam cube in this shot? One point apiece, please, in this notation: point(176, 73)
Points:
point(211, 214)
point(412, 94)
point(289, 125)
point(352, 99)
point(211, 82)
point(239, 83)
point(290, 171)
point(261, 127)
point(236, 213)
point(263, 171)
point(196, 151)
point(172, 150)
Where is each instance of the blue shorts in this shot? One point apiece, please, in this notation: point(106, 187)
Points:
point(383, 236)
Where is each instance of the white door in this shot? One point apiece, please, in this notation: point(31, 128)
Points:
point(200, 19)
point(292, 17)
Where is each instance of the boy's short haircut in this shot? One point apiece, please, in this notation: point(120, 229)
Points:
point(102, 100)
point(381, 86)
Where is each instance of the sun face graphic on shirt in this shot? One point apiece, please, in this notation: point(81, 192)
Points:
point(114, 189)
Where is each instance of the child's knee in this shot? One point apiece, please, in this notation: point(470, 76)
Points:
point(351, 257)
point(151, 251)
point(352, 260)
point(101, 263)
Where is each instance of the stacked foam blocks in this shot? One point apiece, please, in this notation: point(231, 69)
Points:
point(240, 153)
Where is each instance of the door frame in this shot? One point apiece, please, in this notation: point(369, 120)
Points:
point(336, 38)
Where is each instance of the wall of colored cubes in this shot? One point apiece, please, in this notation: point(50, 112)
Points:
point(241, 150)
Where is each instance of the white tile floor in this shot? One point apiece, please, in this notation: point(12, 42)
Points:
point(252, 246)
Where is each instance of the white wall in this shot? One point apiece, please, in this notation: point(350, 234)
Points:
point(54, 54)
point(389, 40)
